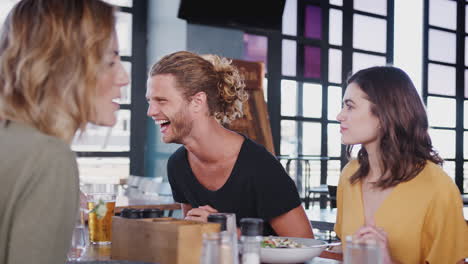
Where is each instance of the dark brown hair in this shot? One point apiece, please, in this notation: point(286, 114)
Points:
point(405, 144)
point(214, 75)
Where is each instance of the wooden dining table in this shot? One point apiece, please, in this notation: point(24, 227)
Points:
point(102, 253)
point(320, 218)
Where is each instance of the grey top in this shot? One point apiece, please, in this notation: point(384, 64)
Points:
point(39, 196)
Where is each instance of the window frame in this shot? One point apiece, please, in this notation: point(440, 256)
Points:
point(346, 48)
point(459, 97)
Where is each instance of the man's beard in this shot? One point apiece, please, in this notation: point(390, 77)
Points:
point(180, 127)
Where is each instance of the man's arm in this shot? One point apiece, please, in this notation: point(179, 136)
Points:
point(293, 224)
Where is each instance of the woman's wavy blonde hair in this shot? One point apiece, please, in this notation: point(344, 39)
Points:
point(214, 75)
point(51, 52)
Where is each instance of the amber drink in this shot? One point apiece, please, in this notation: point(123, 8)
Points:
point(101, 209)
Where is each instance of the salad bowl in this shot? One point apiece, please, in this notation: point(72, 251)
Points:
point(290, 249)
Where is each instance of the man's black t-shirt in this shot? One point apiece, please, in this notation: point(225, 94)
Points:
point(257, 187)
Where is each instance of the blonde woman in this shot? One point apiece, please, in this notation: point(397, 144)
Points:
point(216, 169)
point(59, 70)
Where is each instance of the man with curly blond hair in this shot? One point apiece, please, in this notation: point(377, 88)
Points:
point(218, 170)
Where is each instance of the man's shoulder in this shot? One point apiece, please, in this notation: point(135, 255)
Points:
point(254, 148)
point(176, 160)
point(178, 155)
point(258, 159)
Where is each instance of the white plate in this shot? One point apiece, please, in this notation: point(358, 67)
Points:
point(293, 255)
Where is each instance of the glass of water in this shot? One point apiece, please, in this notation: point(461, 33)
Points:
point(79, 239)
point(362, 252)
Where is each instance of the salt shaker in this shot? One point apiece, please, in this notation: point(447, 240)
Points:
point(251, 237)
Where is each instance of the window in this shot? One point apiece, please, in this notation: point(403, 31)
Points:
point(328, 40)
point(308, 61)
point(445, 63)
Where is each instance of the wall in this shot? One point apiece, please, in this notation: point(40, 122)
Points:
point(167, 34)
point(215, 40)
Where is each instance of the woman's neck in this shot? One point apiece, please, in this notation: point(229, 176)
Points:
point(375, 163)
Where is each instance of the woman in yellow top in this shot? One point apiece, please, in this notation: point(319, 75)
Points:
point(395, 192)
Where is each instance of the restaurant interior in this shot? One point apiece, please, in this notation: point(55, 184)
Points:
point(306, 49)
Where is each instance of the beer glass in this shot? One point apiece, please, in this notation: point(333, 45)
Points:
point(101, 209)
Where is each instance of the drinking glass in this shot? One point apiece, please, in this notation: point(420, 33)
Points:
point(211, 248)
point(231, 228)
point(101, 209)
point(362, 252)
point(229, 249)
point(79, 240)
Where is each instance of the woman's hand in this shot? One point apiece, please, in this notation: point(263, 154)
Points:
point(371, 232)
point(200, 214)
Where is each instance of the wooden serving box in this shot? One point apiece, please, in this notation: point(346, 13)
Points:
point(159, 240)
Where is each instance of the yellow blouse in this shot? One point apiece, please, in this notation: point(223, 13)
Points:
point(422, 217)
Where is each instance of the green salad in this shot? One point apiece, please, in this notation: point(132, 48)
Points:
point(279, 242)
